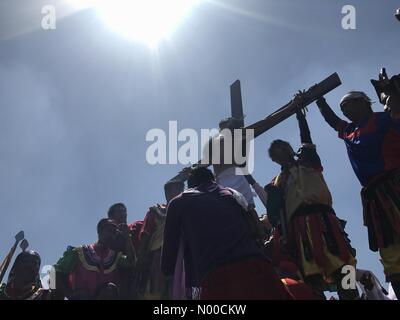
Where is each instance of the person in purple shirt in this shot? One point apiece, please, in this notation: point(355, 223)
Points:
point(372, 140)
point(222, 256)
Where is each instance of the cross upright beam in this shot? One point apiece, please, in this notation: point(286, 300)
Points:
point(236, 102)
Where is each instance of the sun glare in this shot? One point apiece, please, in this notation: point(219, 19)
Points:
point(148, 21)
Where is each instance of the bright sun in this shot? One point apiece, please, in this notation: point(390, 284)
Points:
point(147, 21)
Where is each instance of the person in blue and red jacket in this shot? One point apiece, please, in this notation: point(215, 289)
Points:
point(372, 140)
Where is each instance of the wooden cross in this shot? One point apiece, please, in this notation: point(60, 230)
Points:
point(259, 127)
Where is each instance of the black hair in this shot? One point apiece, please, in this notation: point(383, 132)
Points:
point(230, 123)
point(103, 223)
point(174, 183)
point(200, 176)
point(111, 210)
point(280, 144)
point(28, 255)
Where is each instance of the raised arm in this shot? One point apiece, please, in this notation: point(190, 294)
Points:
point(305, 135)
point(329, 115)
point(307, 154)
point(257, 188)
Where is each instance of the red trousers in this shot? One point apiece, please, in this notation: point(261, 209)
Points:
point(251, 279)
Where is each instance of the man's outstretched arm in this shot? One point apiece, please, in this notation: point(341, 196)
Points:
point(307, 154)
point(257, 188)
point(330, 116)
point(305, 134)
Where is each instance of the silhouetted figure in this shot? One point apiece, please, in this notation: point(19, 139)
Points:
point(315, 236)
point(83, 270)
point(24, 280)
point(151, 283)
point(372, 140)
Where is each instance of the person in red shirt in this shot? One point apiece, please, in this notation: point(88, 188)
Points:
point(84, 270)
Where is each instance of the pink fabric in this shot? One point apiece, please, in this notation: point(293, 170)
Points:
point(87, 281)
point(179, 286)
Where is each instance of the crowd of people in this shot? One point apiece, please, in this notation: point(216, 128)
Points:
point(208, 241)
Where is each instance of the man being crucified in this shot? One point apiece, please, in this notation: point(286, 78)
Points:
point(227, 171)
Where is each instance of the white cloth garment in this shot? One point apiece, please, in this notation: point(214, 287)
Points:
point(228, 178)
point(377, 292)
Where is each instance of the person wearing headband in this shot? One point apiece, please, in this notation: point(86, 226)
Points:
point(372, 140)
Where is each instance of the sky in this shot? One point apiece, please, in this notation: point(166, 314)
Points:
point(77, 102)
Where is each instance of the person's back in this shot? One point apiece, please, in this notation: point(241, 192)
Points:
point(215, 227)
point(221, 254)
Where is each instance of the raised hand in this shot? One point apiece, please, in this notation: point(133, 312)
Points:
point(380, 85)
point(299, 101)
point(299, 98)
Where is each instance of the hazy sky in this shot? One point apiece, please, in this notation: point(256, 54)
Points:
point(76, 104)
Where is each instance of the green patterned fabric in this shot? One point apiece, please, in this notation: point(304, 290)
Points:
point(68, 262)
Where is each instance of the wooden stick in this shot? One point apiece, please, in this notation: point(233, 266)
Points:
point(18, 237)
